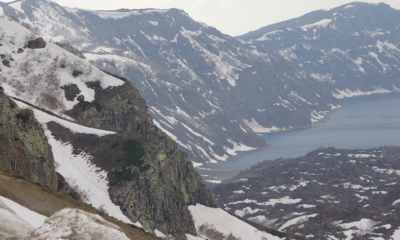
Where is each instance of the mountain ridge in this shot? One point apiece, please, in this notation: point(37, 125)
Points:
point(205, 88)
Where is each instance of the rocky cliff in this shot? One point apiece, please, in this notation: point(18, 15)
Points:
point(24, 148)
point(150, 178)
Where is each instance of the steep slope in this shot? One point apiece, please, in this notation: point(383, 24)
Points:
point(352, 49)
point(34, 208)
point(207, 90)
point(24, 148)
point(327, 194)
point(103, 141)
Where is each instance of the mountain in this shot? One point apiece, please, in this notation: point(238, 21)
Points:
point(208, 91)
point(327, 194)
point(109, 151)
point(352, 49)
point(77, 143)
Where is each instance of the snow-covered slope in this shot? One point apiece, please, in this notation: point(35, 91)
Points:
point(76, 224)
point(35, 75)
point(23, 224)
point(353, 49)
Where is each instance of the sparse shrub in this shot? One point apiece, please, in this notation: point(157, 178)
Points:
point(14, 18)
point(62, 62)
point(103, 210)
point(25, 114)
point(231, 237)
point(18, 86)
point(210, 232)
point(71, 49)
point(82, 193)
point(49, 101)
point(76, 73)
point(2, 34)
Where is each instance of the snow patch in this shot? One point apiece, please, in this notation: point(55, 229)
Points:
point(237, 147)
point(154, 23)
point(349, 93)
point(257, 128)
point(323, 23)
point(297, 220)
point(226, 223)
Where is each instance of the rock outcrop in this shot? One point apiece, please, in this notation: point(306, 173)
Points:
point(150, 178)
point(37, 43)
point(24, 148)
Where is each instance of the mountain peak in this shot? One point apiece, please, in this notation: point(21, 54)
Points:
point(355, 10)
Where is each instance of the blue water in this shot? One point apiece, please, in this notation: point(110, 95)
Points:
point(363, 122)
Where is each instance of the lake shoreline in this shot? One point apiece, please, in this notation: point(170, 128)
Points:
point(363, 122)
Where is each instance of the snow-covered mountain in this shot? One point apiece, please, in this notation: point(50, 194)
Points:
point(208, 91)
point(72, 136)
point(353, 49)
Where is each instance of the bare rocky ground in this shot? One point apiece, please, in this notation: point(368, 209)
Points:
point(327, 194)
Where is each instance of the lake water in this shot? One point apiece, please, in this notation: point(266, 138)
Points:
point(363, 122)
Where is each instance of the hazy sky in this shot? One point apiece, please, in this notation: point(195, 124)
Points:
point(233, 17)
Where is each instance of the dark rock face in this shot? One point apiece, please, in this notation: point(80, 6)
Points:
point(24, 148)
point(20, 50)
point(37, 43)
point(150, 178)
point(6, 63)
point(332, 186)
point(71, 91)
point(2, 56)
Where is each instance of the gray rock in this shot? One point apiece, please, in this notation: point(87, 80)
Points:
point(6, 63)
point(81, 98)
point(37, 43)
point(76, 73)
